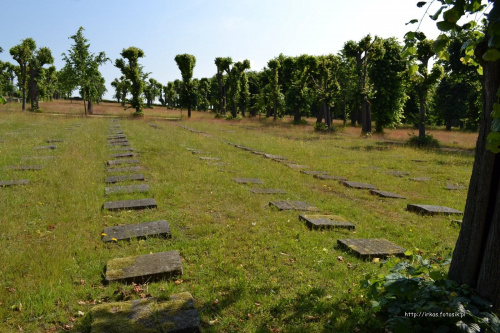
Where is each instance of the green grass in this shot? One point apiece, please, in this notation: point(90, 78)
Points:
point(249, 267)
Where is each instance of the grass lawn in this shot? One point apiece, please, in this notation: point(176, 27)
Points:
point(249, 267)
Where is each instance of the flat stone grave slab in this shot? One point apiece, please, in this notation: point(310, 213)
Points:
point(248, 180)
point(297, 166)
point(117, 136)
point(398, 173)
point(206, 158)
point(37, 157)
point(275, 157)
point(118, 162)
point(258, 152)
point(145, 268)
point(177, 314)
point(122, 149)
point(121, 155)
point(217, 163)
point(126, 189)
point(142, 230)
point(24, 167)
point(125, 169)
point(124, 178)
point(293, 205)
point(385, 194)
point(5, 183)
point(432, 210)
point(455, 187)
point(121, 144)
point(329, 177)
point(267, 190)
point(118, 141)
point(191, 149)
point(313, 172)
point(357, 185)
point(46, 147)
point(325, 222)
point(421, 179)
point(130, 204)
point(372, 247)
point(54, 140)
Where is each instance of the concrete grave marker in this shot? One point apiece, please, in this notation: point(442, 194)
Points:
point(130, 204)
point(385, 194)
point(312, 172)
point(46, 147)
point(116, 136)
point(293, 205)
point(24, 167)
point(143, 188)
point(329, 177)
point(372, 247)
point(432, 210)
point(124, 178)
point(145, 268)
point(248, 180)
point(357, 185)
point(275, 157)
point(177, 314)
point(125, 169)
point(267, 190)
point(118, 141)
point(121, 144)
point(325, 222)
point(5, 183)
point(142, 230)
point(122, 149)
point(118, 162)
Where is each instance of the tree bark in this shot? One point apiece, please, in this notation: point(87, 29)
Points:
point(90, 107)
point(297, 116)
point(448, 124)
point(366, 116)
point(421, 119)
point(476, 255)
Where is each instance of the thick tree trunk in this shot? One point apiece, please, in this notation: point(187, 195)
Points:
point(275, 109)
point(90, 107)
point(243, 111)
point(297, 116)
point(448, 124)
point(421, 118)
point(233, 110)
point(477, 252)
point(366, 117)
point(327, 115)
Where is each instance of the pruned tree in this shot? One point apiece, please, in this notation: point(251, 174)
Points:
point(298, 96)
point(275, 88)
point(325, 80)
point(203, 94)
point(170, 95)
point(222, 66)
point(186, 63)
point(23, 53)
point(40, 58)
point(130, 68)
point(152, 90)
point(234, 83)
point(244, 96)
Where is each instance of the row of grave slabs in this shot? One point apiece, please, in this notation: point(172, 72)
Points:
point(174, 314)
point(364, 248)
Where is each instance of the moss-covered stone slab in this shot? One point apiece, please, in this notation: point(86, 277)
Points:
point(46, 147)
point(124, 178)
point(119, 144)
point(329, 177)
point(293, 205)
point(143, 188)
point(313, 172)
point(124, 169)
point(385, 194)
point(275, 157)
point(248, 180)
point(116, 137)
point(398, 173)
point(455, 187)
point(122, 149)
point(118, 162)
point(24, 167)
point(148, 315)
point(130, 204)
point(297, 166)
point(361, 186)
point(142, 230)
point(421, 179)
point(122, 155)
point(54, 140)
point(6, 183)
point(207, 158)
point(432, 210)
point(372, 247)
point(326, 222)
point(118, 140)
point(145, 268)
point(267, 190)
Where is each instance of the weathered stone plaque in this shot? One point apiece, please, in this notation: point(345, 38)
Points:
point(142, 230)
point(297, 166)
point(293, 205)
point(385, 194)
point(357, 185)
point(24, 167)
point(121, 155)
point(177, 314)
point(124, 178)
point(199, 152)
point(122, 144)
point(329, 177)
point(267, 190)
point(46, 147)
point(455, 187)
point(313, 172)
point(122, 149)
point(130, 204)
point(5, 183)
point(372, 247)
point(118, 162)
point(117, 140)
point(125, 169)
point(116, 137)
point(206, 158)
point(432, 210)
point(126, 189)
point(248, 180)
point(398, 173)
point(275, 157)
point(325, 222)
point(145, 268)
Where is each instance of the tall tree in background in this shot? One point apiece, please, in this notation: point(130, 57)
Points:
point(244, 97)
point(40, 58)
point(170, 94)
point(326, 84)
point(186, 63)
point(130, 68)
point(222, 66)
point(152, 90)
point(23, 53)
point(298, 94)
point(84, 68)
point(204, 94)
point(234, 84)
point(275, 89)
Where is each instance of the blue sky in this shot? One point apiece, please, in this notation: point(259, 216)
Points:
point(257, 30)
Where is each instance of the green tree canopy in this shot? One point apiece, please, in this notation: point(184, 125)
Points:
point(130, 68)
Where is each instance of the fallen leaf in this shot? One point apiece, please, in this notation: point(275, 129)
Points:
point(340, 258)
point(51, 227)
point(257, 304)
point(178, 281)
point(72, 319)
point(213, 322)
point(311, 318)
point(250, 315)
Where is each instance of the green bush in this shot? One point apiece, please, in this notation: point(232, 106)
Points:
point(417, 296)
point(300, 122)
point(426, 142)
point(322, 127)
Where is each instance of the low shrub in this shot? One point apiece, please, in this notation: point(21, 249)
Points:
point(426, 142)
point(322, 127)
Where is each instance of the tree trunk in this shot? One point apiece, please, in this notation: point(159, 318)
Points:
point(233, 109)
point(448, 124)
point(328, 115)
point(475, 258)
point(275, 109)
point(243, 111)
point(297, 116)
point(90, 107)
point(366, 116)
point(421, 119)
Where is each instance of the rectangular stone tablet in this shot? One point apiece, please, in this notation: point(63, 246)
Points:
point(329, 177)
point(209, 158)
point(145, 268)
point(5, 183)
point(130, 204)
point(313, 172)
point(143, 188)
point(142, 230)
point(267, 190)
point(372, 247)
point(455, 187)
point(24, 167)
point(118, 162)
point(275, 157)
point(117, 140)
point(293, 205)
point(432, 210)
point(46, 147)
point(122, 149)
point(124, 178)
point(325, 222)
point(121, 144)
point(125, 169)
point(358, 185)
point(398, 173)
point(248, 180)
point(385, 194)
point(121, 155)
point(116, 137)
point(297, 166)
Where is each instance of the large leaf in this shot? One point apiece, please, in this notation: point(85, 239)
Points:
point(420, 4)
point(446, 25)
point(440, 44)
point(436, 15)
point(412, 21)
point(491, 55)
point(452, 15)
